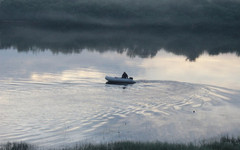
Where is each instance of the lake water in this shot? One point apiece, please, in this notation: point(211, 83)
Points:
point(54, 56)
point(53, 99)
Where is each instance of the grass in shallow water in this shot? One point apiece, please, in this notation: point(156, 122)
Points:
point(225, 143)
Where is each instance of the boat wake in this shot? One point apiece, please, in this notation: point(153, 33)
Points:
point(50, 115)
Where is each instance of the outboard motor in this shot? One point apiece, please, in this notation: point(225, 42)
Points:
point(131, 78)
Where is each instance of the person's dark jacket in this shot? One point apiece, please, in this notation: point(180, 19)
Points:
point(124, 75)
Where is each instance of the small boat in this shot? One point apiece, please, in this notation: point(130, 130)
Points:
point(119, 80)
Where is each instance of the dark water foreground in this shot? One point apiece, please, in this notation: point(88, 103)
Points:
point(225, 143)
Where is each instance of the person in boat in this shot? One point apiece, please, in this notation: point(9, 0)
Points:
point(124, 75)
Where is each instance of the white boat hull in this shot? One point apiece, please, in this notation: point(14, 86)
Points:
point(118, 80)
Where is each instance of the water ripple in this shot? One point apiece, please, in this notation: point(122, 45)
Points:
point(63, 113)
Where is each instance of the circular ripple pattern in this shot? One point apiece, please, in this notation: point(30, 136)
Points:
point(63, 113)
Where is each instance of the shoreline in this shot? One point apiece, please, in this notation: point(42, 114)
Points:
point(225, 142)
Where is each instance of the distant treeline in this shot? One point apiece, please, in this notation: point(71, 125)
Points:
point(145, 42)
point(208, 14)
point(139, 27)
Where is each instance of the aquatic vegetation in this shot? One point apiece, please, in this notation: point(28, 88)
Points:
point(16, 146)
point(225, 143)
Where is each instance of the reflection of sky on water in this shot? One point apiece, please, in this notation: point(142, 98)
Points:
point(220, 70)
point(49, 100)
point(52, 86)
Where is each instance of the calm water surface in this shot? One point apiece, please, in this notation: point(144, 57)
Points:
point(54, 56)
point(56, 99)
